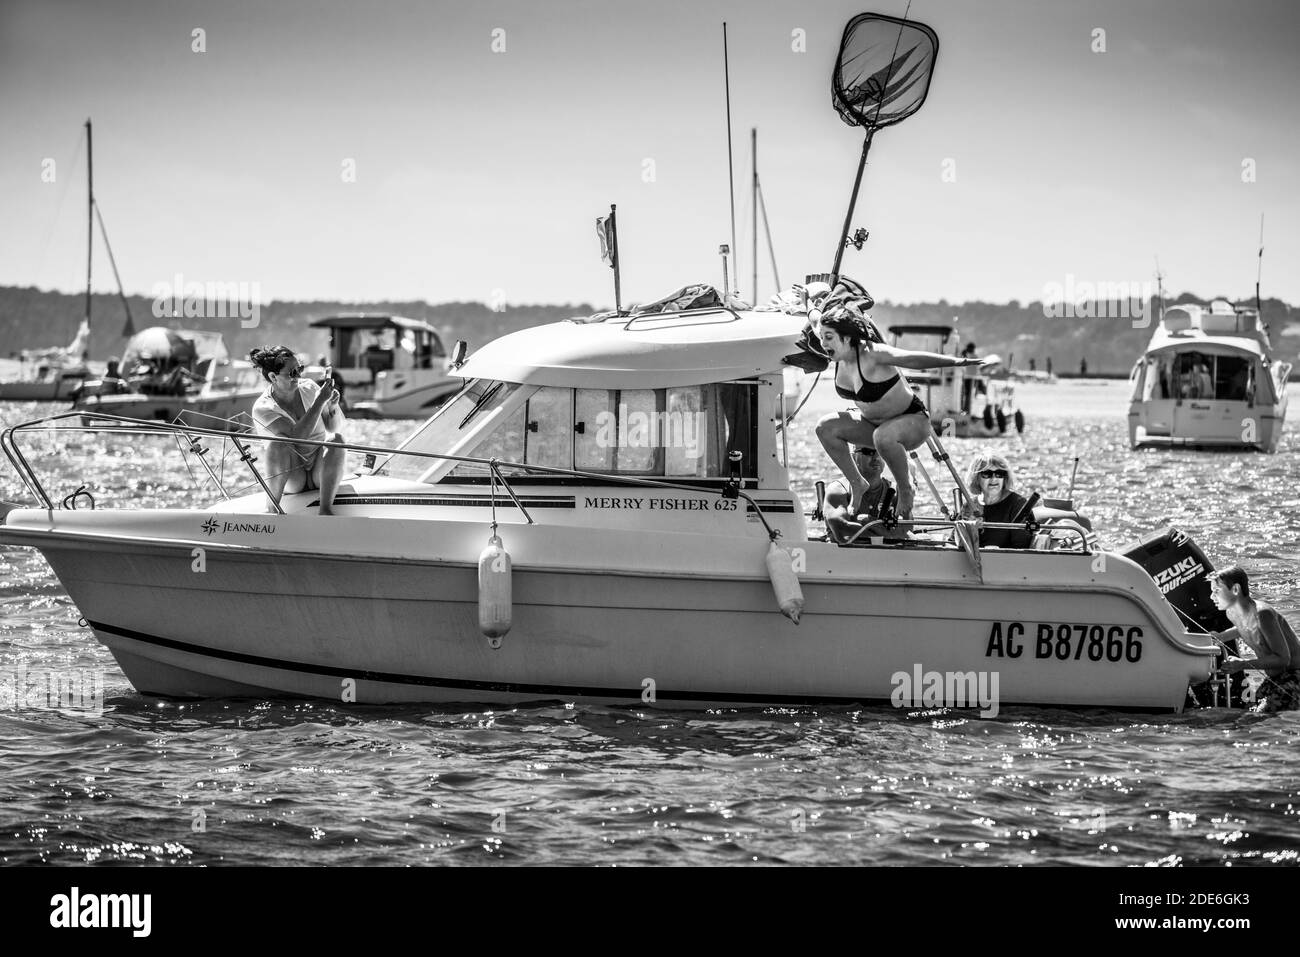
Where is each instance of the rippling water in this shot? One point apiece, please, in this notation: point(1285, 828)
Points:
point(248, 782)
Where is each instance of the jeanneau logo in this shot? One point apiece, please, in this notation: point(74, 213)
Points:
point(212, 526)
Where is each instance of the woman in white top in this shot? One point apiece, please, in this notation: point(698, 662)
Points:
point(297, 408)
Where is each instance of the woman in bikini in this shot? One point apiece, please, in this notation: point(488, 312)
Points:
point(889, 417)
point(297, 408)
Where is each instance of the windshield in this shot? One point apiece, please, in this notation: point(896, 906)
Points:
point(449, 429)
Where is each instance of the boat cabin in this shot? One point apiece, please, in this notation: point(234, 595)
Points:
point(362, 345)
point(693, 399)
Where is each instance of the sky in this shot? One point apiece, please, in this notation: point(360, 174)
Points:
point(485, 138)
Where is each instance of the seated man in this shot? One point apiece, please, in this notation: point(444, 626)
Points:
point(841, 522)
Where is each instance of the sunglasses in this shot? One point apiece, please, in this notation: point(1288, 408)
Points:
point(993, 473)
point(292, 373)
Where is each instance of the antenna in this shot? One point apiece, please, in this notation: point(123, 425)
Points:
point(767, 229)
point(1260, 270)
point(731, 177)
point(1160, 289)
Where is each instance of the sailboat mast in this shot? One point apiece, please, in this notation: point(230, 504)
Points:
point(90, 212)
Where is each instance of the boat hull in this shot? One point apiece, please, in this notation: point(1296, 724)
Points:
point(692, 628)
point(40, 390)
point(209, 411)
point(403, 400)
point(1206, 424)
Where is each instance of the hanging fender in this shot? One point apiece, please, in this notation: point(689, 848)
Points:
point(785, 581)
point(494, 591)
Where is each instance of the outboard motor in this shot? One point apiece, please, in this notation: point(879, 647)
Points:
point(1179, 569)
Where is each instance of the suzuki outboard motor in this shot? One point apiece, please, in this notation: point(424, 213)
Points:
point(1179, 569)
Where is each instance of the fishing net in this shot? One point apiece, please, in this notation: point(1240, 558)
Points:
point(883, 71)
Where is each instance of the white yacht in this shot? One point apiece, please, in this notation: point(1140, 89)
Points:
point(629, 478)
point(1209, 378)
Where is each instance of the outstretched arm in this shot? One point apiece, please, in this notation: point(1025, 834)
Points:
point(910, 359)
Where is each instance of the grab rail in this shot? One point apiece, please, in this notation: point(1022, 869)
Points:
point(9, 444)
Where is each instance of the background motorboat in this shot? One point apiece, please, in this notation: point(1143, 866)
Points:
point(1209, 377)
point(171, 374)
point(964, 402)
point(50, 375)
point(390, 367)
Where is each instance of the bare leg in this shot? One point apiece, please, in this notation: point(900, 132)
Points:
point(894, 439)
point(328, 472)
point(835, 432)
point(279, 464)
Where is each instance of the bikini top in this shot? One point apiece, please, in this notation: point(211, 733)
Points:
point(870, 391)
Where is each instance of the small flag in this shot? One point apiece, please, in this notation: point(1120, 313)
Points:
point(605, 230)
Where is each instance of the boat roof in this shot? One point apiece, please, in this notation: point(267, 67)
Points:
point(1203, 343)
point(944, 331)
point(371, 320)
point(651, 351)
point(1191, 327)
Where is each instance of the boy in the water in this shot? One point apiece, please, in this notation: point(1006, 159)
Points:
point(1267, 632)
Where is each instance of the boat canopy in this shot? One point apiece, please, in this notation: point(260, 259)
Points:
point(365, 320)
point(1222, 345)
point(653, 351)
point(944, 331)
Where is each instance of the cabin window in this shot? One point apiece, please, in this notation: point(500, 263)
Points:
point(680, 433)
point(548, 430)
point(1160, 378)
point(705, 425)
point(458, 417)
point(1234, 379)
point(1195, 375)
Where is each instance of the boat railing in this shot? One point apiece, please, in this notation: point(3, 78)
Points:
point(188, 439)
point(1054, 535)
point(190, 442)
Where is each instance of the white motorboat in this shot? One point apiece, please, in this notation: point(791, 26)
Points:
point(633, 471)
point(50, 375)
point(171, 375)
point(1209, 377)
point(391, 367)
point(963, 402)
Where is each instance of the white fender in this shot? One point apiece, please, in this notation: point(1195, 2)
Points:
point(494, 599)
point(785, 582)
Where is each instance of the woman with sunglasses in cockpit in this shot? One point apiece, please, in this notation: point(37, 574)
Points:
point(992, 485)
